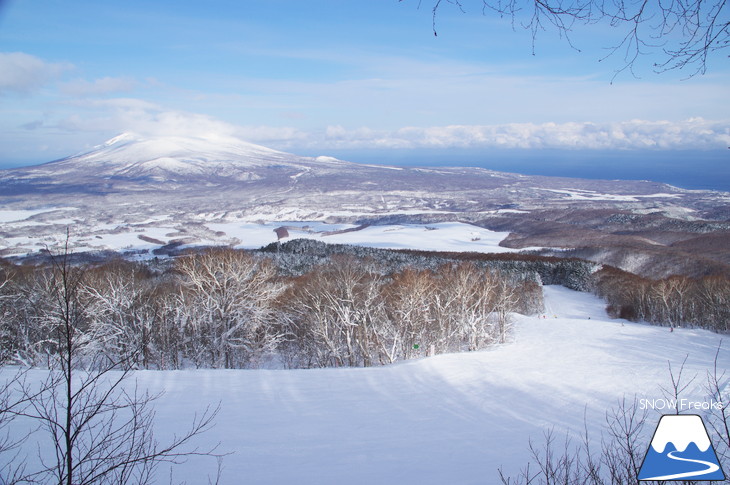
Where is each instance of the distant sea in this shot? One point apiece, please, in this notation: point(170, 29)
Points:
point(707, 170)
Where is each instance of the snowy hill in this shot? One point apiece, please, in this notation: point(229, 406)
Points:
point(446, 419)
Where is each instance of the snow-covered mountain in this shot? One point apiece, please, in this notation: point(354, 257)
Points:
point(173, 164)
point(131, 183)
point(171, 158)
point(225, 161)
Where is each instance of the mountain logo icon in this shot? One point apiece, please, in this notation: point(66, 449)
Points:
point(681, 450)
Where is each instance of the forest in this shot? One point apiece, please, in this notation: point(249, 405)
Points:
point(224, 308)
point(306, 304)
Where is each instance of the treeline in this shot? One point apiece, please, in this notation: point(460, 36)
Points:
point(222, 308)
point(309, 304)
point(674, 301)
point(347, 313)
point(298, 256)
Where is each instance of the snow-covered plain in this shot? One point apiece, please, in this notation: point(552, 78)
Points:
point(21, 215)
point(445, 236)
point(446, 419)
point(577, 194)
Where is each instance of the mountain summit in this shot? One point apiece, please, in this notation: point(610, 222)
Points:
point(132, 156)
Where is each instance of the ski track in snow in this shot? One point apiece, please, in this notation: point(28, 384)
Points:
point(451, 418)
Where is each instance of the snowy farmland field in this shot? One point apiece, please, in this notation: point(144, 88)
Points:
point(445, 236)
point(451, 418)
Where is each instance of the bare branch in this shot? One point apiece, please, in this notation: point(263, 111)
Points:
point(684, 32)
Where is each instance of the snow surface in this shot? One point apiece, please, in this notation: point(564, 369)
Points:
point(446, 236)
point(15, 215)
point(578, 194)
point(451, 418)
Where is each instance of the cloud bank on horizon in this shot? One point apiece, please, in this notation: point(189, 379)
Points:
point(131, 115)
point(101, 118)
point(695, 133)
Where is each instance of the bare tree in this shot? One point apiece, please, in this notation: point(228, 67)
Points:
point(505, 302)
point(229, 299)
point(339, 314)
point(100, 426)
point(121, 310)
point(670, 295)
point(685, 32)
point(718, 389)
point(347, 313)
point(714, 302)
point(465, 304)
point(24, 305)
point(409, 299)
point(7, 339)
point(315, 341)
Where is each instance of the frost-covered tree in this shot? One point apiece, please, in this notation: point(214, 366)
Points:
point(347, 313)
point(227, 307)
point(464, 306)
point(409, 303)
point(338, 313)
point(7, 332)
point(122, 309)
point(506, 300)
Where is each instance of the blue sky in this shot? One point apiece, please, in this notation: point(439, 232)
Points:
point(320, 77)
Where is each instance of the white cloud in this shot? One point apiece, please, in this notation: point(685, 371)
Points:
point(105, 85)
point(119, 115)
point(695, 133)
point(113, 116)
point(24, 73)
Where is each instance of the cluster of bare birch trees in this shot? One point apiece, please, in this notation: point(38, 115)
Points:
point(346, 313)
point(674, 301)
point(231, 309)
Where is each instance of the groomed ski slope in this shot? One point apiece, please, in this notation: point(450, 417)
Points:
point(448, 419)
